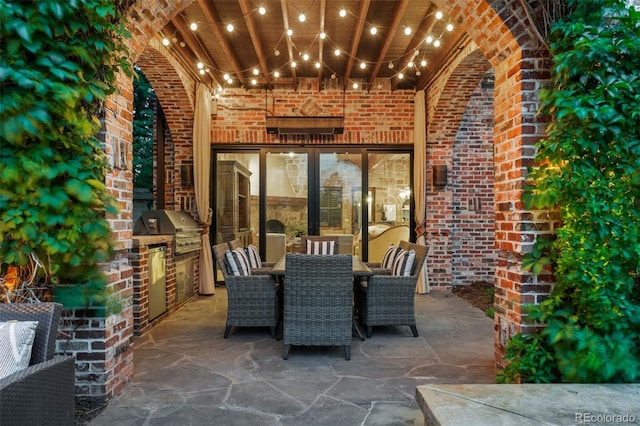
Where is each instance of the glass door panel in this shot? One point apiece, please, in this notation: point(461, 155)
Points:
point(287, 188)
point(389, 196)
point(340, 193)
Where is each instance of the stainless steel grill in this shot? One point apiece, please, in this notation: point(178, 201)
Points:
point(171, 222)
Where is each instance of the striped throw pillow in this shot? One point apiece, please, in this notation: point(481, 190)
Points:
point(237, 262)
point(254, 256)
point(16, 342)
point(389, 256)
point(403, 263)
point(320, 247)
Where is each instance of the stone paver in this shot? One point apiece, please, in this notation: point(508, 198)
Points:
point(186, 373)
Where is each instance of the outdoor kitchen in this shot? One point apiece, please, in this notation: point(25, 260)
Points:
point(165, 259)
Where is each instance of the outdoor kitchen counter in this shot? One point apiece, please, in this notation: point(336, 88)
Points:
point(147, 240)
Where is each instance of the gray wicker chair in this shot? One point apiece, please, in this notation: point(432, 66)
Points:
point(305, 238)
point(252, 299)
point(388, 299)
point(44, 392)
point(318, 301)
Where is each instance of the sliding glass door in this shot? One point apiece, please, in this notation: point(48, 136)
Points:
point(271, 196)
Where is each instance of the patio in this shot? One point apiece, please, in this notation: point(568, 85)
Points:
point(187, 373)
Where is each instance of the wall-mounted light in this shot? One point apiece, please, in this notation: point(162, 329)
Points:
point(439, 176)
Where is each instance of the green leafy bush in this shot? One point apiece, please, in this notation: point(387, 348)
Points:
point(590, 171)
point(58, 65)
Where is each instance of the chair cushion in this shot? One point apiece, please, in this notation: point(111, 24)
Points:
point(320, 247)
point(237, 262)
point(16, 341)
point(390, 256)
point(403, 263)
point(254, 256)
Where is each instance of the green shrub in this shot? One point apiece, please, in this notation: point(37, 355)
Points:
point(590, 171)
point(58, 65)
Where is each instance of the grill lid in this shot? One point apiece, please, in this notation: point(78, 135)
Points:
point(165, 222)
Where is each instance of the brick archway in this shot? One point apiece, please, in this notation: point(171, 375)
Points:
point(500, 32)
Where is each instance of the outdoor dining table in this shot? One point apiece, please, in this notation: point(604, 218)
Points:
point(360, 271)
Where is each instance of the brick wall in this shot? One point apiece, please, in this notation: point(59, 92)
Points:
point(377, 116)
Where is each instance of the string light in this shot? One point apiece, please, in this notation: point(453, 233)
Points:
point(165, 41)
point(322, 35)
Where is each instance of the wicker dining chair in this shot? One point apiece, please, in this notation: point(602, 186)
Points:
point(252, 299)
point(44, 392)
point(388, 299)
point(318, 301)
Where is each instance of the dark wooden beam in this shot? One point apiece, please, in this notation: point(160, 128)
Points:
point(213, 19)
point(356, 36)
point(396, 17)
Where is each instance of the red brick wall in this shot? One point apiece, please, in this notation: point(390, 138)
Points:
point(499, 30)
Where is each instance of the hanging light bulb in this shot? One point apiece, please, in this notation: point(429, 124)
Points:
point(362, 65)
point(436, 43)
point(449, 27)
point(201, 72)
point(429, 39)
point(230, 28)
point(438, 15)
point(410, 64)
point(323, 35)
point(355, 85)
point(373, 31)
point(193, 26)
point(305, 56)
point(343, 13)
point(165, 41)
point(276, 52)
point(423, 63)
point(418, 73)
point(293, 64)
point(276, 74)
point(333, 76)
point(262, 10)
point(200, 65)
point(407, 31)
point(391, 65)
point(336, 52)
point(400, 76)
point(318, 65)
point(226, 77)
point(254, 81)
point(302, 17)
point(255, 71)
point(289, 32)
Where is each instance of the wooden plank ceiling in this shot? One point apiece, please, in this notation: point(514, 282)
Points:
point(254, 43)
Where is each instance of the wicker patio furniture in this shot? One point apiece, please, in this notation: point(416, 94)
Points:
point(266, 267)
point(252, 299)
point(44, 392)
point(387, 299)
point(318, 301)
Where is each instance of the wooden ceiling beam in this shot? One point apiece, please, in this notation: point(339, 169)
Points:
point(356, 36)
point(194, 44)
point(323, 15)
point(249, 19)
point(285, 19)
point(213, 19)
point(396, 17)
